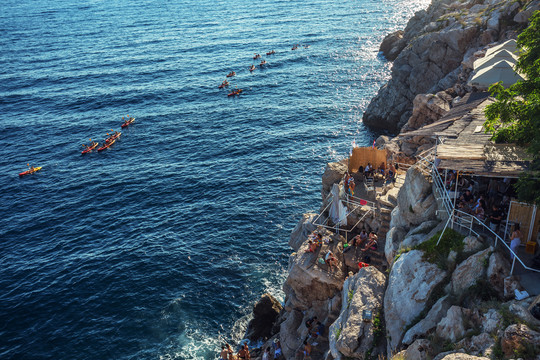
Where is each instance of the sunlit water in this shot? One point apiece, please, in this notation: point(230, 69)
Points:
point(158, 247)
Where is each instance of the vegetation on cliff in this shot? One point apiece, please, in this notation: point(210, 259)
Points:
point(515, 116)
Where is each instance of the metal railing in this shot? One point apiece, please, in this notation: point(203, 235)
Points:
point(463, 219)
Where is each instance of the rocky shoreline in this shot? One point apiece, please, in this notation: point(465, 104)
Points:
point(412, 302)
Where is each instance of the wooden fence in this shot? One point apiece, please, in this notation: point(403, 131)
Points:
point(361, 156)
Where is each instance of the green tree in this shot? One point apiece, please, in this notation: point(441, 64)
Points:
point(515, 115)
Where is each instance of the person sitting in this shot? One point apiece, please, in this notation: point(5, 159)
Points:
point(330, 260)
point(467, 197)
point(312, 247)
point(318, 331)
point(360, 239)
point(382, 169)
point(515, 240)
point(368, 170)
point(479, 213)
point(372, 242)
point(307, 350)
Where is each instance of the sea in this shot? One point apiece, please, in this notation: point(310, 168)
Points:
point(158, 247)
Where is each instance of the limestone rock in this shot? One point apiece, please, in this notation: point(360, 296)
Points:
point(520, 309)
point(518, 336)
point(491, 321)
point(477, 345)
point(452, 326)
point(394, 236)
point(415, 199)
point(288, 333)
point(433, 317)
point(472, 243)
point(265, 313)
point(511, 283)
point(361, 292)
point(419, 350)
point(427, 108)
point(333, 173)
point(309, 280)
point(421, 233)
point(392, 45)
point(302, 230)
point(461, 356)
point(470, 271)
point(524, 15)
point(498, 269)
point(410, 284)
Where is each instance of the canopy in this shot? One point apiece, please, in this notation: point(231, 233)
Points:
point(495, 58)
point(509, 45)
point(501, 71)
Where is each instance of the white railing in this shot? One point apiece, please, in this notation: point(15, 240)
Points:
point(356, 202)
point(465, 220)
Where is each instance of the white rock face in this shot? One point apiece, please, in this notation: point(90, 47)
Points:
point(434, 316)
point(452, 326)
point(302, 230)
point(363, 291)
point(394, 236)
point(333, 173)
point(470, 271)
point(415, 201)
point(410, 284)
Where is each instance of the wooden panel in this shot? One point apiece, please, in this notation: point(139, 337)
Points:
point(536, 229)
point(521, 214)
point(361, 156)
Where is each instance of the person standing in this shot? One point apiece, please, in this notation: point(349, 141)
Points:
point(515, 240)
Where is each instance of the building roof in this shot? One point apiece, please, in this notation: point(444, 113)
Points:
point(465, 145)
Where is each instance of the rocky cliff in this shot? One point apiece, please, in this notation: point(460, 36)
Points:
point(447, 301)
point(430, 56)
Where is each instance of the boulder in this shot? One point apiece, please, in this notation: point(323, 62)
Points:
point(265, 313)
point(427, 108)
point(333, 173)
point(498, 269)
point(433, 317)
point(419, 350)
point(472, 243)
point(421, 233)
point(491, 321)
point(452, 326)
point(477, 345)
point(415, 199)
point(524, 15)
point(518, 337)
point(470, 271)
point(302, 230)
point(361, 292)
point(460, 356)
point(511, 283)
point(411, 282)
point(392, 45)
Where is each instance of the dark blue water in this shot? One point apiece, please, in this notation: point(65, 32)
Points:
point(157, 247)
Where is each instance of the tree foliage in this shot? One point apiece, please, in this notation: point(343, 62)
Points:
point(515, 115)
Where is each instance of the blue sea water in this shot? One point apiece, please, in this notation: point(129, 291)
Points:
point(158, 247)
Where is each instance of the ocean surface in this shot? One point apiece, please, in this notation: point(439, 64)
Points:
point(158, 247)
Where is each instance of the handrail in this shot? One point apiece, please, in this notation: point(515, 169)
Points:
point(468, 218)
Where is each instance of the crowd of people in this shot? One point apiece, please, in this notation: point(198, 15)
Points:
point(487, 200)
point(227, 353)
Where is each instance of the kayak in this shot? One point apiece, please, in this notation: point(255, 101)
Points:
point(113, 137)
point(232, 73)
point(107, 144)
point(90, 148)
point(31, 171)
point(235, 92)
point(127, 123)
